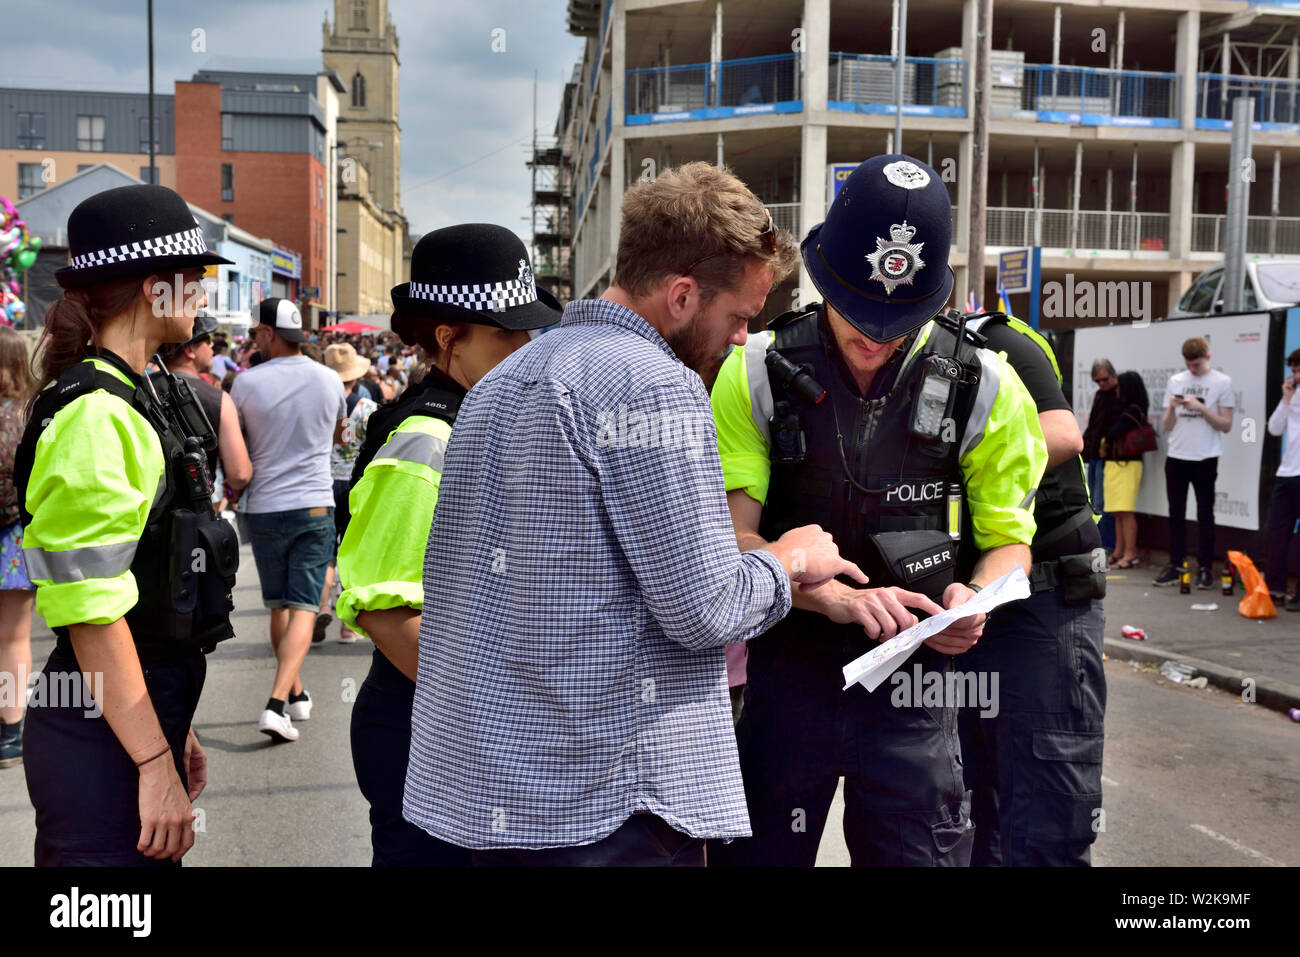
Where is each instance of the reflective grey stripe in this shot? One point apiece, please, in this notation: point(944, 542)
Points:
point(990, 382)
point(79, 564)
point(414, 447)
point(760, 390)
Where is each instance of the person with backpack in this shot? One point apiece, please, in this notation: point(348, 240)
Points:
point(133, 572)
point(395, 487)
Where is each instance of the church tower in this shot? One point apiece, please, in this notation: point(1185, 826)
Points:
point(361, 48)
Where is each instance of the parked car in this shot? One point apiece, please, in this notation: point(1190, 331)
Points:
point(1270, 284)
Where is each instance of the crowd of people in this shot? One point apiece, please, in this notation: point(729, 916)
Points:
point(561, 583)
point(1198, 411)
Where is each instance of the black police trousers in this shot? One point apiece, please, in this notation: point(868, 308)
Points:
point(800, 731)
point(1035, 768)
point(84, 786)
point(381, 747)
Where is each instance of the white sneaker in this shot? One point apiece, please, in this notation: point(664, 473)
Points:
point(278, 727)
point(300, 710)
point(347, 636)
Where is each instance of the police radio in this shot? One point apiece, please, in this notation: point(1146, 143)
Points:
point(934, 398)
point(789, 447)
point(190, 424)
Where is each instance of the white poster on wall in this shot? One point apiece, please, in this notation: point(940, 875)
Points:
point(1238, 348)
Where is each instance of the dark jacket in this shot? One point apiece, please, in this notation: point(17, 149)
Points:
point(1105, 410)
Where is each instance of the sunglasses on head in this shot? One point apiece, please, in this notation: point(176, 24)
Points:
point(767, 238)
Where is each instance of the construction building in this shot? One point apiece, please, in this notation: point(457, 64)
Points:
point(1109, 122)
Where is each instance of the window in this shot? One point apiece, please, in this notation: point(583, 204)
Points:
point(144, 134)
point(82, 167)
point(228, 217)
point(358, 14)
point(320, 190)
point(358, 90)
point(227, 182)
point(144, 175)
point(227, 131)
point(31, 131)
point(1198, 299)
point(90, 133)
point(29, 179)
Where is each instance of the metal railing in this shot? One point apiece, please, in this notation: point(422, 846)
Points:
point(1264, 234)
point(1088, 229)
point(1096, 91)
point(1276, 100)
point(694, 86)
point(869, 78)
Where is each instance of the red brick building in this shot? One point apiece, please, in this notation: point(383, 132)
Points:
point(252, 148)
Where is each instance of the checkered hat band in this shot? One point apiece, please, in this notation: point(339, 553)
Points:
point(490, 297)
point(187, 243)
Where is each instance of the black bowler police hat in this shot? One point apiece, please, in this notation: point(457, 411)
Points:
point(132, 231)
point(475, 272)
point(881, 257)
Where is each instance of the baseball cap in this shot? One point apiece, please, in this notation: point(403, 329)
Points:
point(282, 316)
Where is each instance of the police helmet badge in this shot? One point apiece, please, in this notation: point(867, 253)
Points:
point(526, 277)
point(906, 175)
point(895, 263)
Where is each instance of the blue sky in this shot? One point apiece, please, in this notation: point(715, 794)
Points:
point(460, 101)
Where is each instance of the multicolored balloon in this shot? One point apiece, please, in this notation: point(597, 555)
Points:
point(18, 251)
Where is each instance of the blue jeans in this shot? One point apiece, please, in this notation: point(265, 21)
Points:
point(293, 550)
point(1097, 493)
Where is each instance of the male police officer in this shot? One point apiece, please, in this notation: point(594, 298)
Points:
point(1034, 767)
point(920, 457)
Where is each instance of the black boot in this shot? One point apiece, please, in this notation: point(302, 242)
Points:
point(11, 744)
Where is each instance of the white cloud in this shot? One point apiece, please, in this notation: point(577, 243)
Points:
point(459, 100)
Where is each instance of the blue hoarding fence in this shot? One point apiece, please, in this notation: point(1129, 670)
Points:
point(762, 84)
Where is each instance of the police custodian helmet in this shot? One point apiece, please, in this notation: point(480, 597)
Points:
point(881, 256)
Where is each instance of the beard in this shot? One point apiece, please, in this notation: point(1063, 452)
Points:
point(693, 349)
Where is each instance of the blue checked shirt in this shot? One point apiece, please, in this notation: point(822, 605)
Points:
point(581, 580)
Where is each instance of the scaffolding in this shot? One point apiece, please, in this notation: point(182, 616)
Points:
point(551, 212)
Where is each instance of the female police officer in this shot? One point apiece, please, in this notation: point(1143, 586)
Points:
point(471, 302)
point(133, 576)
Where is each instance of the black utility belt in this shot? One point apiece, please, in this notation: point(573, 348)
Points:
point(1079, 577)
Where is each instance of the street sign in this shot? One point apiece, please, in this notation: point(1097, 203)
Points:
point(836, 174)
point(1014, 270)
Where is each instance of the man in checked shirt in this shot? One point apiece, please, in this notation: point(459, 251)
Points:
point(582, 574)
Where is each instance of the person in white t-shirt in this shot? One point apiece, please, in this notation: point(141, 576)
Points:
point(1284, 507)
point(1198, 409)
point(292, 410)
